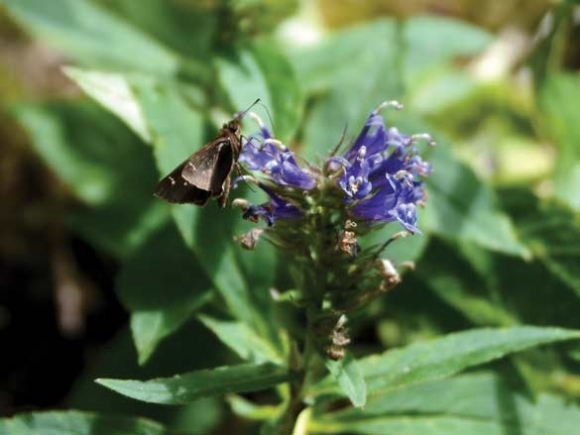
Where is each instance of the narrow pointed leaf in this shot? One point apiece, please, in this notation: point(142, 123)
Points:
point(448, 355)
point(188, 387)
point(463, 405)
point(242, 340)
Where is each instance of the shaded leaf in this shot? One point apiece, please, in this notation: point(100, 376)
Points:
point(453, 280)
point(77, 423)
point(555, 238)
point(551, 231)
point(460, 207)
point(161, 285)
point(105, 166)
point(202, 383)
point(171, 23)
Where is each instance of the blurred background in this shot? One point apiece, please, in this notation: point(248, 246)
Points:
point(498, 79)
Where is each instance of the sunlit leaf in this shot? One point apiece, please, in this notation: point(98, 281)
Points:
point(430, 41)
point(558, 99)
point(448, 355)
point(242, 340)
point(113, 91)
point(367, 76)
point(462, 405)
point(92, 35)
point(350, 379)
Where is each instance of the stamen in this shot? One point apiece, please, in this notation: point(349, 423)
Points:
point(392, 103)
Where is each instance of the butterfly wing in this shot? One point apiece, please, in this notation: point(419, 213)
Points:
point(200, 177)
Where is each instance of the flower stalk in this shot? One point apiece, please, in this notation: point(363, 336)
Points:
point(318, 215)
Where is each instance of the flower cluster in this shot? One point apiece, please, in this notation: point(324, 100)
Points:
point(319, 213)
point(379, 175)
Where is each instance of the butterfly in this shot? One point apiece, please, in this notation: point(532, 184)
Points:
point(206, 173)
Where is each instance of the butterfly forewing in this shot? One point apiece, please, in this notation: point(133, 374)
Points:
point(206, 173)
point(201, 168)
point(174, 188)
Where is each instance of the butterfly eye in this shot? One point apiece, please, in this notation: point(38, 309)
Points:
point(234, 126)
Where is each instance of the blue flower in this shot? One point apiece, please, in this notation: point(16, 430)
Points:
point(380, 175)
point(276, 208)
point(275, 160)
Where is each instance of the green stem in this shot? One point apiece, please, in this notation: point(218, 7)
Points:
point(310, 373)
point(314, 287)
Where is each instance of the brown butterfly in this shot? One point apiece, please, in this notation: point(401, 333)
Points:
point(206, 173)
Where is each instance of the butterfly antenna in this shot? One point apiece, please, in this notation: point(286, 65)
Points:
point(241, 114)
point(269, 115)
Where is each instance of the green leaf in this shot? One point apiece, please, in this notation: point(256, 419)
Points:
point(448, 355)
point(171, 23)
point(551, 230)
point(429, 42)
point(250, 410)
point(354, 70)
point(92, 35)
point(460, 207)
point(555, 238)
point(161, 285)
point(558, 100)
point(260, 73)
point(462, 405)
point(448, 275)
point(176, 130)
point(398, 425)
point(243, 340)
point(188, 387)
point(77, 423)
point(105, 166)
point(349, 377)
point(113, 92)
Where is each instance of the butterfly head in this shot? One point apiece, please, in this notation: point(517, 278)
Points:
point(234, 127)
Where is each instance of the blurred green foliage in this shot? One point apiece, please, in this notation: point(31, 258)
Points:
point(501, 245)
